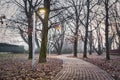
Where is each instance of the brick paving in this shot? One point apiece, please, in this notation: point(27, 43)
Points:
point(77, 69)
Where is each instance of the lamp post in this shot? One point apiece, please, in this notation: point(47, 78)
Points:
point(57, 27)
point(41, 10)
point(33, 40)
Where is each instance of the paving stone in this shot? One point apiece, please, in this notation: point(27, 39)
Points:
point(77, 69)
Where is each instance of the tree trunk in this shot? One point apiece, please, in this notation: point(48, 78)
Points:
point(36, 40)
point(75, 46)
point(90, 42)
point(43, 49)
point(107, 30)
point(76, 38)
point(76, 33)
point(99, 42)
point(28, 12)
point(42, 56)
point(59, 51)
point(86, 30)
point(30, 37)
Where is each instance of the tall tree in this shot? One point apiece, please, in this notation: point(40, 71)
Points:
point(107, 29)
point(77, 8)
point(48, 5)
point(25, 19)
point(86, 29)
point(58, 39)
point(115, 17)
point(42, 55)
point(28, 12)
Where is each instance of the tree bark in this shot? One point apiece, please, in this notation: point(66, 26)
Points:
point(28, 12)
point(42, 56)
point(86, 30)
point(43, 49)
point(30, 45)
point(30, 37)
point(90, 42)
point(107, 30)
point(75, 46)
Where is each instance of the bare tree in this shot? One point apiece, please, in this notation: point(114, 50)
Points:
point(77, 8)
point(24, 20)
point(45, 22)
point(86, 29)
point(115, 21)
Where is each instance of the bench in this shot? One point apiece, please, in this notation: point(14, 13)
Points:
point(115, 52)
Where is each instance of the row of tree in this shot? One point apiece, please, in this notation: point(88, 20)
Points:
point(86, 20)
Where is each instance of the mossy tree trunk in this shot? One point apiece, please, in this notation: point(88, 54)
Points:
point(42, 56)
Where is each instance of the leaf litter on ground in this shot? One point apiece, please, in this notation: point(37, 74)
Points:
point(18, 67)
point(111, 66)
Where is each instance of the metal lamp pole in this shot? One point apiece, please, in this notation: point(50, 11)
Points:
point(41, 10)
point(33, 40)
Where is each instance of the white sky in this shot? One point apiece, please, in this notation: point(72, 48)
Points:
point(9, 35)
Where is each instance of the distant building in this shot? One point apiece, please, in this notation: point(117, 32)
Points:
point(4, 47)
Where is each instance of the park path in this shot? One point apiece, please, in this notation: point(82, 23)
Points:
point(77, 69)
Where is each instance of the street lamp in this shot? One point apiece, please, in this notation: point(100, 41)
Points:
point(41, 10)
point(56, 26)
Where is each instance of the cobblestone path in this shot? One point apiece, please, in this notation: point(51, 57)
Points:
point(77, 69)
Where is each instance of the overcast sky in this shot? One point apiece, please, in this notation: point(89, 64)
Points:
point(9, 35)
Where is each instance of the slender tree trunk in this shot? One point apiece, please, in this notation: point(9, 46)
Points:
point(119, 43)
point(76, 39)
point(99, 42)
point(30, 37)
point(76, 32)
point(62, 38)
point(75, 47)
point(86, 30)
point(42, 56)
point(28, 12)
point(36, 40)
point(60, 46)
point(43, 49)
point(59, 50)
point(107, 30)
point(90, 43)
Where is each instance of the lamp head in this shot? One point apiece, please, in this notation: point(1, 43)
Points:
point(57, 27)
point(41, 10)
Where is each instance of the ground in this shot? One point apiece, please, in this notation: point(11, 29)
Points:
point(111, 66)
point(78, 69)
point(18, 67)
